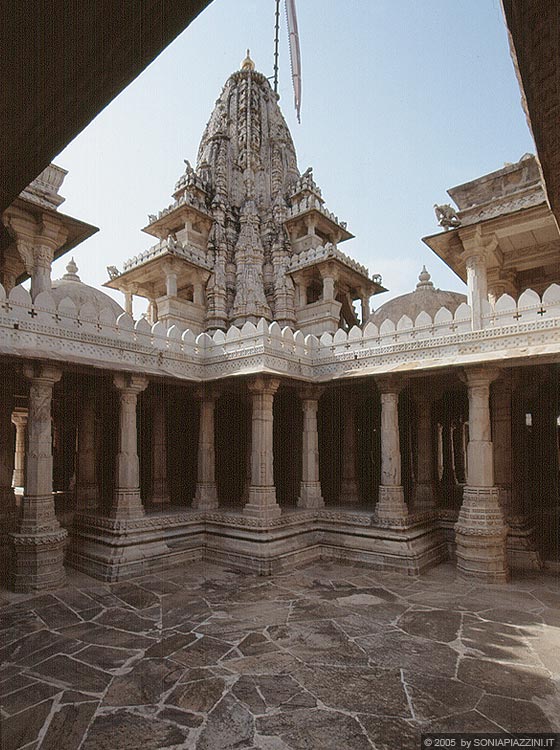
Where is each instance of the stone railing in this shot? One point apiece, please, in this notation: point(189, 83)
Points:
point(44, 330)
point(196, 256)
point(309, 203)
point(324, 252)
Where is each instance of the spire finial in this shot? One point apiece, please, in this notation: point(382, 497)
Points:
point(71, 271)
point(424, 280)
point(247, 63)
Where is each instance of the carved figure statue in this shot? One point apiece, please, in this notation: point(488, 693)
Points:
point(113, 272)
point(446, 216)
point(188, 167)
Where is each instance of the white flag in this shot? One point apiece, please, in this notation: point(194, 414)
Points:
point(295, 56)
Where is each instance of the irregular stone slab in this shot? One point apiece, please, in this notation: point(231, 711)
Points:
point(304, 729)
point(124, 619)
point(547, 648)
point(58, 616)
point(496, 641)
point(274, 663)
point(24, 727)
point(104, 657)
point(433, 697)
point(28, 696)
point(159, 586)
point(73, 674)
point(17, 632)
point(512, 617)
point(14, 682)
point(389, 734)
point(245, 690)
point(170, 645)
point(67, 727)
point(436, 624)
point(470, 721)
point(183, 718)
point(128, 731)
point(317, 643)
point(358, 624)
point(16, 616)
point(502, 679)
point(62, 646)
point(75, 599)
point(202, 653)
point(134, 595)
point(144, 684)
point(200, 696)
point(400, 650)
point(357, 689)
point(256, 643)
point(514, 715)
point(100, 636)
point(229, 726)
point(29, 644)
point(181, 607)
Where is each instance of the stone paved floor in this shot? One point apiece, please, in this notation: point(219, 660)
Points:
point(328, 656)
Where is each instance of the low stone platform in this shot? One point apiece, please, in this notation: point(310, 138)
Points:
point(121, 549)
point(329, 656)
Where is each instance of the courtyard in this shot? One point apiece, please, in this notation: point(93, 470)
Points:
point(326, 656)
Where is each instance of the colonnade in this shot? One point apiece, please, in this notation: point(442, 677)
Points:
point(38, 539)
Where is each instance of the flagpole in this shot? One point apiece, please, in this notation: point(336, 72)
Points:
point(276, 38)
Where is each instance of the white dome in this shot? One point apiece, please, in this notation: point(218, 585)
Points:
point(424, 298)
point(70, 285)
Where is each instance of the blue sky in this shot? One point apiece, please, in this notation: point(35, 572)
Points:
point(402, 99)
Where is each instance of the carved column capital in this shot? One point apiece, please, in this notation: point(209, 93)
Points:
point(480, 376)
point(311, 392)
point(389, 384)
point(130, 383)
point(42, 374)
point(207, 392)
point(264, 384)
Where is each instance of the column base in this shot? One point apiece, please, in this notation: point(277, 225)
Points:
point(160, 493)
point(127, 504)
point(205, 496)
point(262, 503)
point(310, 495)
point(349, 492)
point(391, 505)
point(424, 497)
point(87, 496)
point(38, 561)
point(480, 535)
point(521, 545)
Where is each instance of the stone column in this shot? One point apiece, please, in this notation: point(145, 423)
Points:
point(87, 490)
point(501, 440)
point(328, 288)
point(7, 495)
point(206, 493)
point(128, 303)
point(349, 483)
point(262, 492)
point(160, 491)
point(480, 532)
point(38, 545)
point(424, 488)
point(19, 420)
point(127, 502)
point(391, 505)
point(310, 495)
point(477, 287)
point(365, 310)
